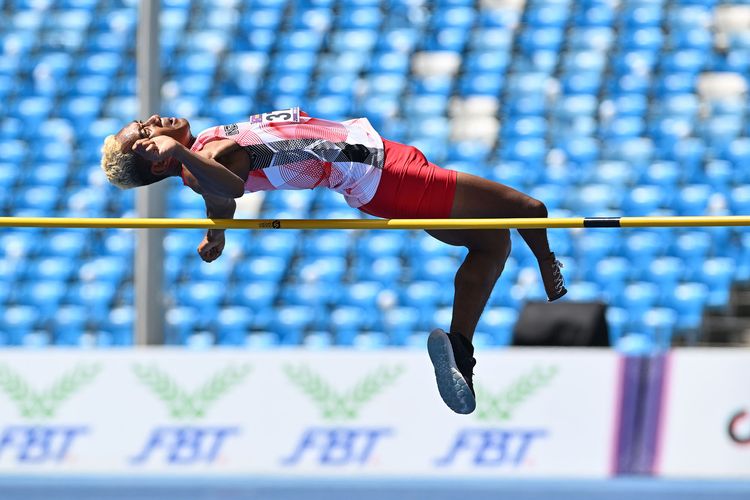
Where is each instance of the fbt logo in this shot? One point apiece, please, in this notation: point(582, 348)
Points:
point(40, 443)
point(739, 427)
point(494, 446)
point(187, 444)
point(339, 445)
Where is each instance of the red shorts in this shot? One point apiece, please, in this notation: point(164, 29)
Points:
point(411, 187)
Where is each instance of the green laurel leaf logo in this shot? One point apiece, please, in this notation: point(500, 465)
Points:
point(182, 404)
point(347, 405)
point(44, 404)
point(500, 406)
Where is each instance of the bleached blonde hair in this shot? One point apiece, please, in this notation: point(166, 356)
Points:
point(125, 169)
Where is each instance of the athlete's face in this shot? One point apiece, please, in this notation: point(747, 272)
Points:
point(176, 128)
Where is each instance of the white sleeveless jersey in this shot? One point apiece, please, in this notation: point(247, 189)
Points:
point(290, 150)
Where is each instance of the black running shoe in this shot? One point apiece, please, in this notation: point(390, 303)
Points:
point(452, 357)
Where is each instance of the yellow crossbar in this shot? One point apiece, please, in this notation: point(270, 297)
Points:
point(572, 222)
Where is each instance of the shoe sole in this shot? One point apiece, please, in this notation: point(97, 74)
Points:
point(451, 384)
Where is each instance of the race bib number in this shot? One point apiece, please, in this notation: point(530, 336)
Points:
point(280, 116)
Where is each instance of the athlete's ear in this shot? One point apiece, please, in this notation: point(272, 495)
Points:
point(160, 167)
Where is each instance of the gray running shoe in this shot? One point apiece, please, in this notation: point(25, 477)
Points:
point(452, 357)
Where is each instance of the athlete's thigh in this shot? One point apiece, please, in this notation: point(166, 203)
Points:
point(479, 197)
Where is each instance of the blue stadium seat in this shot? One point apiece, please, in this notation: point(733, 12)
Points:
point(68, 324)
point(218, 271)
point(498, 323)
point(379, 243)
point(314, 294)
point(318, 340)
point(290, 322)
point(666, 174)
point(254, 294)
point(47, 174)
point(588, 82)
point(681, 16)
point(691, 38)
point(201, 295)
point(637, 298)
point(399, 323)
point(233, 324)
point(96, 296)
point(642, 247)
point(370, 340)
point(255, 39)
point(693, 247)
point(693, 199)
point(718, 273)
point(423, 295)
point(363, 294)
point(482, 83)
point(355, 40)
point(658, 325)
point(643, 38)
point(398, 40)
point(314, 269)
point(541, 39)
point(553, 15)
point(107, 268)
point(583, 291)
point(16, 321)
point(264, 268)
point(181, 322)
point(738, 151)
point(447, 39)
point(688, 301)
point(65, 243)
point(491, 39)
point(35, 340)
point(441, 268)
point(666, 271)
point(645, 200)
point(642, 14)
point(120, 325)
point(261, 19)
point(50, 268)
point(684, 60)
point(36, 197)
point(611, 274)
point(346, 322)
point(677, 81)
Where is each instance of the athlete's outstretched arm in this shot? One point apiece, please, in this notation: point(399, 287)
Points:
point(217, 207)
point(213, 177)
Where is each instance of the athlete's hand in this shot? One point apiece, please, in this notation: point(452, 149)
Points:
point(156, 148)
point(210, 249)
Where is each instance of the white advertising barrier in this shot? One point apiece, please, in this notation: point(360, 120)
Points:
point(705, 420)
point(296, 412)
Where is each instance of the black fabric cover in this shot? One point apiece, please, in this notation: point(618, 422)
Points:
point(569, 324)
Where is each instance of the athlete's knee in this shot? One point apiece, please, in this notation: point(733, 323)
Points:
point(535, 208)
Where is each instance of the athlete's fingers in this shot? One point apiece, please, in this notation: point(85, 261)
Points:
point(141, 143)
